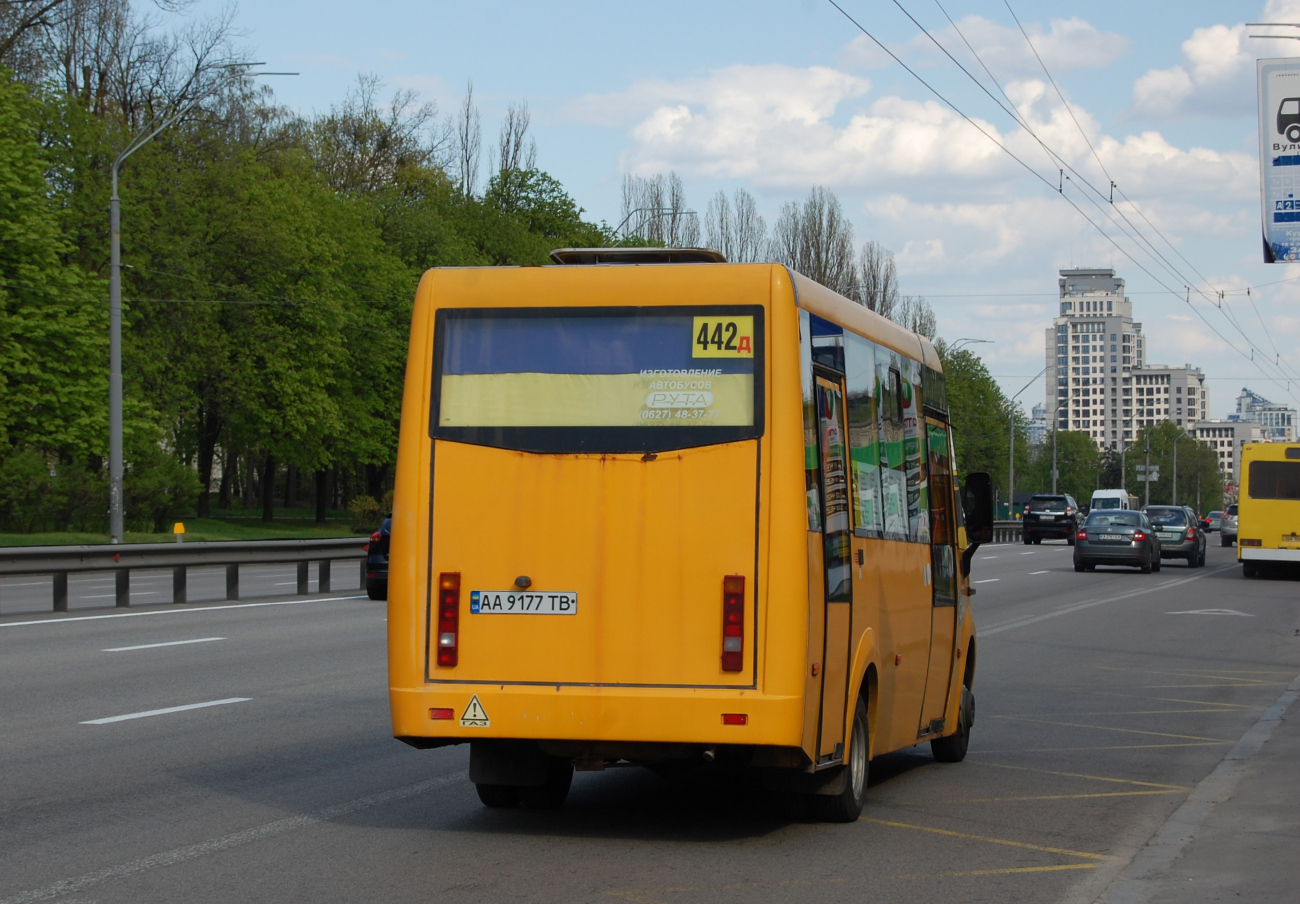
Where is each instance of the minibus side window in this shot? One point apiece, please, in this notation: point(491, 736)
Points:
point(893, 472)
point(812, 487)
point(918, 487)
point(864, 435)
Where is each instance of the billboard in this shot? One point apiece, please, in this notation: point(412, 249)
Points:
point(1279, 157)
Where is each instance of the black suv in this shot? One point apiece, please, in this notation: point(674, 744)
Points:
point(377, 561)
point(1050, 517)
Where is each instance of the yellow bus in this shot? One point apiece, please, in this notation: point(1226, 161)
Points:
point(651, 506)
point(1268, 506)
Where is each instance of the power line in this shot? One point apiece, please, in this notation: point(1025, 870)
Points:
point(1030, 169)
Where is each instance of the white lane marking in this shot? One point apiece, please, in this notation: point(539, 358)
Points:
point(987, 581)
point(1088, 604)
point(230, 606)
point(986, 558)
point(1147, 872)
point(75, 884)
point(151, 646)
point(290, 583)
point(1039, 572)
point(167, 711)
point(1211, 612)
point(1030, 553)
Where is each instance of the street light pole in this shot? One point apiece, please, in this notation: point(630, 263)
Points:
point(1011, 456)
point(1147, 476)
point(116, 508)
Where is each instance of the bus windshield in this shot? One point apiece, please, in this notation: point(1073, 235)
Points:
point(598, 379)
point(1105, 502)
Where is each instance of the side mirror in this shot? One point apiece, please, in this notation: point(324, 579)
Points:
point(977, 500)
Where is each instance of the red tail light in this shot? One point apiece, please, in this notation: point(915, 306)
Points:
point(1139, 535)
point(1191, 533)
point(376, 537)
point(733, 622)
point(1081, 535)
point(448, 618)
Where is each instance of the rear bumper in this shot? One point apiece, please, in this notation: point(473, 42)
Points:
point(1181, 551)
point(1256, 554)
point(1122, 555)
point(1059, 530)
point(587, 714)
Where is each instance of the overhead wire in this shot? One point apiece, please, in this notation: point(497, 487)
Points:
point(1219, 301)
point(1122, 250)
point(1150, 249)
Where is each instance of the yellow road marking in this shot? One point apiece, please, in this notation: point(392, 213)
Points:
point(1205, 703)
point(1095, 778)
point(1102, 747)
point(987, 839)
point(642, 895)
point(1003, 800)
point(1158, 712)
point(1010, 870)
point(1157, 734)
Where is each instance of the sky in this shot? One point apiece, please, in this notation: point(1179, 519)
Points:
point(776, 96)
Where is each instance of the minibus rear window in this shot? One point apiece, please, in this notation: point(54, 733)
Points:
point(598, 379)
point(1274, 480)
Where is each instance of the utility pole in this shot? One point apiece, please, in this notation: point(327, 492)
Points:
point(1147, 475)
point(1011, 458)
point(116, 513)
point(1174, 486)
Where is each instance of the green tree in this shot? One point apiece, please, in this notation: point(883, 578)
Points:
point(1077, 463)
point(1198, 468)
point(981, 419)
point(53, 316)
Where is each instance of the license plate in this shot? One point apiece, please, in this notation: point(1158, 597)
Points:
point(1169, 536)
point(521, 602)
point(1111, 537)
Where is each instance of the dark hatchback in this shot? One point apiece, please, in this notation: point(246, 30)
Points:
point(1117, 537)
point(377, 561)
point(1050, 518)
point(1180, 533)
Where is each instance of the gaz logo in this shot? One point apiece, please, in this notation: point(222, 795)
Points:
point(723, 337)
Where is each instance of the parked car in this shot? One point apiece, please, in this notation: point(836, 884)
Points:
point(1213, 521)
point(1179, 531)
point(1049, 517)
point(377, 561)
point(1228, 526)
point(1116, 537)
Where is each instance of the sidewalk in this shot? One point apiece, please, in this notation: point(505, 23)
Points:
point(1244, 827)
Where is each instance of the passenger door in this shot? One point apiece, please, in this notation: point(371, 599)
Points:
point(837, 533)
point(943, 567)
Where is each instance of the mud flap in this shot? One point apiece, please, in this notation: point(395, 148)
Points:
point(518, 763)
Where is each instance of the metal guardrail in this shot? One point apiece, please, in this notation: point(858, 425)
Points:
point(1006, 531)
point(60, 561)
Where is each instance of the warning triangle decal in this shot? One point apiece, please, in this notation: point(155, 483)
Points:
point(475, 716)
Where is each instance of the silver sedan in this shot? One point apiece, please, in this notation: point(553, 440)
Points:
point(1117, 537)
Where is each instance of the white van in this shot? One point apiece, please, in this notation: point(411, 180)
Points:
point(1112, 499)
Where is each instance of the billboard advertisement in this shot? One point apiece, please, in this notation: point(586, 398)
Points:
point(1279, 157)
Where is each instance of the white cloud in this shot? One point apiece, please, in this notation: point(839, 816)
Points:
point(1069, 44)
point(1217, 75)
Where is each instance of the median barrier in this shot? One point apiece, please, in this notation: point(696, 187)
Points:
point(120, 559)
point(1006, 531)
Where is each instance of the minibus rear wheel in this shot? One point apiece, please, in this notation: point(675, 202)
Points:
point(504, 796)
point(847, 805)
point(551, 794)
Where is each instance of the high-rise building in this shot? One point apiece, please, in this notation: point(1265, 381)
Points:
point(1093, 348)
point(1278, 421)
point(1174, 394)
point(1226, 439)
point(1037, 428)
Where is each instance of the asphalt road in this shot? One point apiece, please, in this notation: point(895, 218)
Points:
point(1103, 700)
